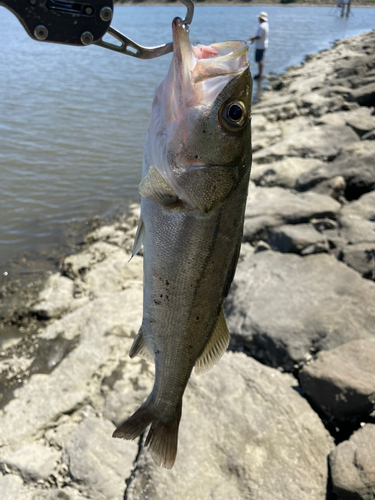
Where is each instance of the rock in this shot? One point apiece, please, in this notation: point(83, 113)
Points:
point(270, 207)
point(341, 382)
point(359, 175)
point(56, 297)
point(282, 305)
point(282, 173)
point(98, 462)
point(245, 433)
point(352, 466)
point(364, 95)
point(357, 220)
point(105, 328)
point(77, 265)
point(295, 238)
point(361, 121)
point(334, 187)
point(32, 462)
point(12, 487)
point(321, 142)
point(361, 257)
point(110, 275)
point(60, 435)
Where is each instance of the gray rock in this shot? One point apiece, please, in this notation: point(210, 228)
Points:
point(295, 238)
point(361, 257)
point(270, 207)
point(56, 297)
point(12, 488)
point(105, 328)
point(357, 220)
point(282, 173)
point(359, 174)
point(97, 462)
point(32, 462)
point(352, 466)
point(77, 265)
point(322, 142)
point(282, 305)
point(245, 433)
point(334, 187)
point(341, 382)
point(364, 95)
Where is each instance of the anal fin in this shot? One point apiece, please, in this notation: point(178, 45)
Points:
point(139, 347)
point(154, 187)
point(215, 347)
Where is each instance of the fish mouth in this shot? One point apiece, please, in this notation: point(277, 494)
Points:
point(207, 62)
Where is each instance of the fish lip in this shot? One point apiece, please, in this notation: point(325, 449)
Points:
point(182, 45)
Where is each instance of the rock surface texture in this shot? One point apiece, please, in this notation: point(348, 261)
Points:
point(297, 385)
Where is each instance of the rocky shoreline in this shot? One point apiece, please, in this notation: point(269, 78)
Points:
point(289, 412)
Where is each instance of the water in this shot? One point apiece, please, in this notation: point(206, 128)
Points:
point(73, 120)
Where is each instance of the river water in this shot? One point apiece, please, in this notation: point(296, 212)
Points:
point(73, 119)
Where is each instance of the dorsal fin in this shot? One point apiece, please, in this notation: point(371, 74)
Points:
point(215, 347)
point(154, 187)
point(140, 348)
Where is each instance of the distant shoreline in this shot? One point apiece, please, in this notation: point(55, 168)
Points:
point(244, 3)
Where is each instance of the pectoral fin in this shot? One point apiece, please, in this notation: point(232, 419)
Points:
point(139, 348)
point(215, 348)
point(154, 187)
point(139, 238)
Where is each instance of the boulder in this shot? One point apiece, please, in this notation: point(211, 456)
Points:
point(245, 432)
point(361, 257)
point(357, 220)
point(341, 382)
point(97, 462)
point(323, 142)
point(55, 298)
point(282, 173)
point(270, 207)
point(352, 466)
point(281, 306)
point(359, 174)
point(295, 238)
point(364, 95)
point(32, 462)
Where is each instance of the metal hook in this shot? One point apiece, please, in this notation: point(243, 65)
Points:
point(131, 48)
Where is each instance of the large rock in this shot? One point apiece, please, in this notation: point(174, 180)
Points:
point(282, 173)
point(357, 220)
point(99, 463)
point(32, 462)
point(341, 382)
point(355, 164)
point(105, 328)
point(282, 305)
point(361, 257)
point(352, 466)
point(245, 433)
point(295, 238)
point(55, 298)
point(270, 207)
point(322, 142)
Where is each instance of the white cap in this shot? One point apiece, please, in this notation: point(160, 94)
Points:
point(263, 15)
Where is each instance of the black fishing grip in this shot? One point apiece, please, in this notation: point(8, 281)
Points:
point(79, 22)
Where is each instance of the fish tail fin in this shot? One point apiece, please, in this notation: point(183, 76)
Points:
point(162, 437)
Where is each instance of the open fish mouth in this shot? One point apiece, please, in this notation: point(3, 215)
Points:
point(207, 62)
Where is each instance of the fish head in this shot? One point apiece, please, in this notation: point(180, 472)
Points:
point(199, 135)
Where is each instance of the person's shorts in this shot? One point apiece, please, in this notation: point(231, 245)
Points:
point(259, 54)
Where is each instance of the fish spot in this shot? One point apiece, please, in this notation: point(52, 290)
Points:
point(197, 318)
point(161, 296)
point(157, 302)
point(196, 156)
point(167, 282)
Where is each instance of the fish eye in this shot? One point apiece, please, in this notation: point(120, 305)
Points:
point(233, 115)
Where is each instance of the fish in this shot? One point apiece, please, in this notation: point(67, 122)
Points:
point(195, 178)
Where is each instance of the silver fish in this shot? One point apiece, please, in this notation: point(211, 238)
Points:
point(194, 186)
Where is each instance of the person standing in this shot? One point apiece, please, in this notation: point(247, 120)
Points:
point(261, 42)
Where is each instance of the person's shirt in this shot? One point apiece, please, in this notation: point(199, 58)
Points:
point(262, 32)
